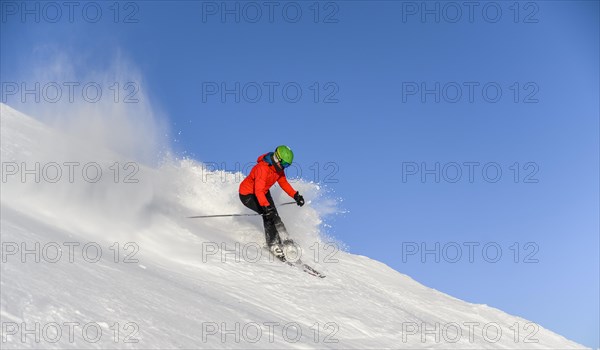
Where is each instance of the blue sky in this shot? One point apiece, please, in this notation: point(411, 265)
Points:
point(368, 73)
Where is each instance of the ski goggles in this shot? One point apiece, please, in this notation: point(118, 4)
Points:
point(282, 162)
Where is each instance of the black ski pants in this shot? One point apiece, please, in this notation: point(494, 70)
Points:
point(272, 226)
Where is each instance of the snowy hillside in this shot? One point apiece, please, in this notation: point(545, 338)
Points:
point(97, 253)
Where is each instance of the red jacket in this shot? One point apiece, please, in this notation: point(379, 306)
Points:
point(262, 176)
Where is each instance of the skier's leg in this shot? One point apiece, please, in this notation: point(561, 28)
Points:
point(280, 227)
point(277, 226)
point(251, 202)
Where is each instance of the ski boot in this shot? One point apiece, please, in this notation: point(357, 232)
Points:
point(277, 251)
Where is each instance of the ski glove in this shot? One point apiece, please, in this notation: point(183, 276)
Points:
point(299, 199)
point(269, 212)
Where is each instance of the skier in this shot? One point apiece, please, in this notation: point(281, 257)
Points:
point(255, 194)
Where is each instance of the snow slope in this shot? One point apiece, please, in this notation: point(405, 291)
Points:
point(189, 283)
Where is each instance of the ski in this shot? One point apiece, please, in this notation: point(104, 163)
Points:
point(306, 268)
point(298, 264)
point(311, 271)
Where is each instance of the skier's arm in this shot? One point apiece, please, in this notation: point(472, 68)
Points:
point(260, 184)
point(285, 185)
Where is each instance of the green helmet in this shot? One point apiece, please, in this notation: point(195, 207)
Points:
point(285, 155)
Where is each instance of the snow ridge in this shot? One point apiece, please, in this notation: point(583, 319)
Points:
point(97, 252)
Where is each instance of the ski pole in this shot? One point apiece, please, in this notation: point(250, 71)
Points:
point(219, 216)
point(227, 215)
